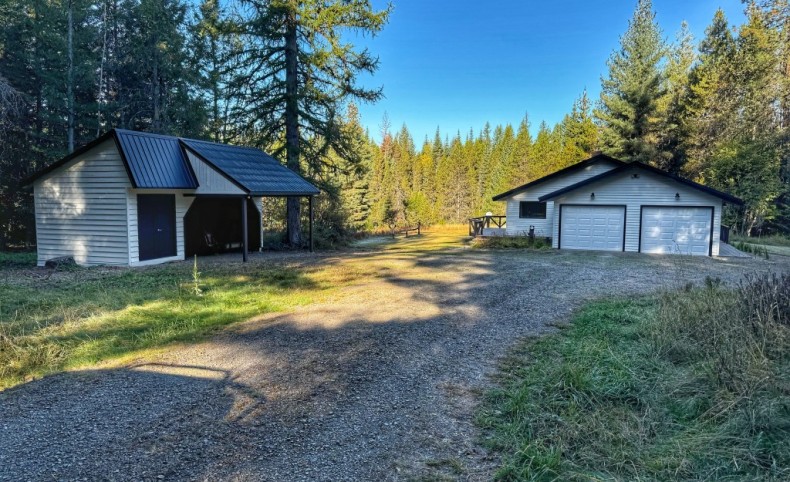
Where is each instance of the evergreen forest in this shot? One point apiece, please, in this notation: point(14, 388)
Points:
point(283, 75)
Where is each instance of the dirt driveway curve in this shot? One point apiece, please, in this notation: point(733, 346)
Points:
point(378, 384)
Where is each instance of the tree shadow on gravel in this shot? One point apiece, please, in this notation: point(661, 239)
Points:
point(378, 384)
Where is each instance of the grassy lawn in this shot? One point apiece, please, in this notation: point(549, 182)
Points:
point(90, 317)
point(50, 323)
point(773, 240)
point(692, 385)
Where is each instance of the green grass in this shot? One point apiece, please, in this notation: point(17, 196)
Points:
point(755, 249)
point(772, 240)
point(11, 260)
point(90, 318)
point(659, 388)
point(84, 316)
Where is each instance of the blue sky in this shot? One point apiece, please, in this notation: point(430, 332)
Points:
point(459, 63)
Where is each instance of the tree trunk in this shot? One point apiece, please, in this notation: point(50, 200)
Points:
point(100, 94)
point(292, 122)
point(70, 77)
point(215, 90)
point(156, 123)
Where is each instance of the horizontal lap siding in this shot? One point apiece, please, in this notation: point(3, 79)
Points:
point(209, 179)
point(81, 209)
point(543, 227)
point(646, 190)
point(182, 206)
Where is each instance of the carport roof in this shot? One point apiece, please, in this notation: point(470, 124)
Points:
point(155, 161)
point(252, 169)
point(638, 165)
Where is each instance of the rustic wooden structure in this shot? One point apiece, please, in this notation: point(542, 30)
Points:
point(478, 224)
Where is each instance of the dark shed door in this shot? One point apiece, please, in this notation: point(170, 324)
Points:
point(156, 225)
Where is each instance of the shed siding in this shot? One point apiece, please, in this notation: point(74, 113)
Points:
point(646, 190)
point(182, 206)
point(516, 226)
point(209, 179)
point(81, 209)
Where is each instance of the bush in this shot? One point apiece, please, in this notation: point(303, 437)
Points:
point(511, 242)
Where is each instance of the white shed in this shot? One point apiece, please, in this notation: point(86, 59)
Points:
point(605, 204)
point(133, 198)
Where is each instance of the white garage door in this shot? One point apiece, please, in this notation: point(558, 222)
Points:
point(592, 227)
point(679, 230)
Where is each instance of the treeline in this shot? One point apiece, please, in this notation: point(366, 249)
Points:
point(449, 179)
point(714, 109)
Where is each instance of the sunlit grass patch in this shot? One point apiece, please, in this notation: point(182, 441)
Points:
point(67, 325)
point(97, 315)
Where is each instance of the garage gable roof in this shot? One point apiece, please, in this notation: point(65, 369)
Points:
point(155, 161)
point(568, 170)
point(638, 165)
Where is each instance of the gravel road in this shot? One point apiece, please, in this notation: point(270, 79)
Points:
point(378, 383)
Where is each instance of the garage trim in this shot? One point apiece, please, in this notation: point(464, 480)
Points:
point(683, 206)
point(625, 219)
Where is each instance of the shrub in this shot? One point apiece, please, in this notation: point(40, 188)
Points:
point(511, 242)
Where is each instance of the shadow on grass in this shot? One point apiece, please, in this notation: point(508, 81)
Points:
point(44, 330)
point(282, 396)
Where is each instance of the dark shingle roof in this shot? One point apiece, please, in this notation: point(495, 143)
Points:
point(155, 161)
point(254, 170)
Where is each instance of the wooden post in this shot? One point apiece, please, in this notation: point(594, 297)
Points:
point(260, 248)
point(418, 228)
point(311, 222)
point(244, 230)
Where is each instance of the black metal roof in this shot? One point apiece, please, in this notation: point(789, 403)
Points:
point(580, 165)
point(638, 165)
point(155, 161)
point(251, 169)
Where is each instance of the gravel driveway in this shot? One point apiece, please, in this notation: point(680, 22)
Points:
point(379, 383)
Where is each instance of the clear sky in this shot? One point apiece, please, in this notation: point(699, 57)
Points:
point(459, 63)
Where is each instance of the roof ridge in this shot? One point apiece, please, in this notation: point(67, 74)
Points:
point(585, 162)
point(693, 184)
point(235, 146)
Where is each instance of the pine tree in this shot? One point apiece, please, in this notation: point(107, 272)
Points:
point(579, 132)
point(630, 94)
point(674, 105)
point(712, 99)
point(300, 71)
point(522, 152)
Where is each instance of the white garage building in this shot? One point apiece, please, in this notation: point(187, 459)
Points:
point(608, 205)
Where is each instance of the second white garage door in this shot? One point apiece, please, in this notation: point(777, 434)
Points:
point(592, 227)
point(676, 230)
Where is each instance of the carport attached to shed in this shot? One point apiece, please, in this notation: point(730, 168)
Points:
point(124, 198)
point(245, 172)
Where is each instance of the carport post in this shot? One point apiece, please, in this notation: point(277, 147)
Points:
point(244, 234)
point(311, 222)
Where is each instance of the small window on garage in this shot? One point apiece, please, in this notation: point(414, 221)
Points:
point(532, 210)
